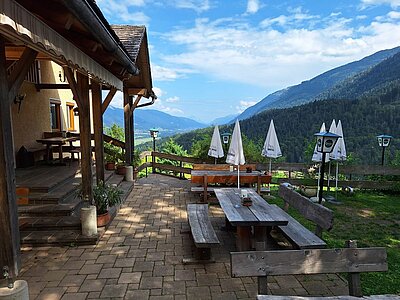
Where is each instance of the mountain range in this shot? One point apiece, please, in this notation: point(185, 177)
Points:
point(367, 103)
point(328, 85)
point(145, 119)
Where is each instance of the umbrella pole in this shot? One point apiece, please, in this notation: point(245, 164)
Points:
point(215, 160)
point(319, 176)
point(270, 165)
point(337, 175)
point(238, 177)
point(329, 175)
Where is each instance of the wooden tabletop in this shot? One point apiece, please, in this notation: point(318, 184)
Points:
point(260, 213)
point(57, 140)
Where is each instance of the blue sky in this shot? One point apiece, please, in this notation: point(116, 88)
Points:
point(212, 58)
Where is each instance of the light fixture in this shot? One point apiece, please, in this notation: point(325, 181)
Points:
point(225, 137)
point(326, 141)
point(76, 111)
point(61, 76)
point(154, 134)
point(18, 100)
point(384, 141)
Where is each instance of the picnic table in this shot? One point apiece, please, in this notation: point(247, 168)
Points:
point(205, 177)
point(56, 141)
point(260, 215)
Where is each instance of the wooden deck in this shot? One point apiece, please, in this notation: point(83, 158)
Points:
point(52, 213)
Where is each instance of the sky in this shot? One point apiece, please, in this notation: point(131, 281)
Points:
point(213, 58)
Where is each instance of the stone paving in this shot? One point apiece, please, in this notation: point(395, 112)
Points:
point(140, 257)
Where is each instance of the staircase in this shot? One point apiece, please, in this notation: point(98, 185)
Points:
point(52, 215)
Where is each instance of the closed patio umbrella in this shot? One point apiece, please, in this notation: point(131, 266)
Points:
point(216, 149)
point(332, 129)
point(271, 147)
point(339, 151)
point(235, 154)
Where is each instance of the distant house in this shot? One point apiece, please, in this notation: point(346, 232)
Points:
point(56, 58)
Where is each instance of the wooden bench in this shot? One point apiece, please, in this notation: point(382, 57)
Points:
point(222, 167)
point(206, 174)
point(210, 189)
point(297, 234)
point(350, 260)
point(203, 233)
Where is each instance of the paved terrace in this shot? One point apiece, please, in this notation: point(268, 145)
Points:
point(140, 257)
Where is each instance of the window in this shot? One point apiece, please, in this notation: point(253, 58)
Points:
point(55, 114)
point(70, 116)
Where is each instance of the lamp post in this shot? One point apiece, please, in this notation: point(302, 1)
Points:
point(225, 139)
point(153, 134)
point(384, 141)
point(326, 141)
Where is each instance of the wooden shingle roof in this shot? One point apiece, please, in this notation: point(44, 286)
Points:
point(131, 38)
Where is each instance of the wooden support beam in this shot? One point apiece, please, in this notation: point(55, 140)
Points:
point(98, 131)
point(20, 71)
point(135, 104)
point(136, 91)
point(85, 135)
point(9, 231)
point(108, 99)
point(80, 90)
point(128, 127)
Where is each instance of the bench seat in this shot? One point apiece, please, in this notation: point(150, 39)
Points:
point(372, 297)
point(301, 236)
point(203, 233)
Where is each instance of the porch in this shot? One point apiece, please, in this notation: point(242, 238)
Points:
point(52, 214)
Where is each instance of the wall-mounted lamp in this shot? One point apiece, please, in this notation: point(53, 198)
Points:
point(61, 75)
point(76, 111)
point(18, 100)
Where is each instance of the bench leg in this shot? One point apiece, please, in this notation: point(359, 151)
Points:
point(243, 239)
point(260, 237)
point(202, 256)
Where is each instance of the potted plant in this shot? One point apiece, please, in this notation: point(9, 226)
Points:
point(105, 196)
point(110, 161)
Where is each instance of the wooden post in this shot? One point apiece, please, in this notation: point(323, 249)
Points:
point(243, 238)
point(259, 184)
point(260, 234)
point(205, 185)
point(98, 131)
point(9, 231)
point(354, 278)
point(80, 90)
point(85, 136)
point(128, 127)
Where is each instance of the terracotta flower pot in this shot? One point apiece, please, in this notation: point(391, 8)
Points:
point(121, 170)
point(103, 219)
point(110, 166)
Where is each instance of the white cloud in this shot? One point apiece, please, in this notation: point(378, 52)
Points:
point(252, 6)
point(159, 105)
point(243, 105)
point(197, 5)
point(367, 3)
point(172, 99)
point(168, 74)
point(125, 10)
point(159, 92)
point(272, 59)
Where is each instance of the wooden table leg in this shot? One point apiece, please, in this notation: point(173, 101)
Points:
point(260, 237)
point(205, 192)
point(243, 242)
point(48, 153)
point(60, 154)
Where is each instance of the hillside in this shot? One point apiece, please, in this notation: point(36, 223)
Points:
point(310, 90)
point(149, 118)
point(362, 121)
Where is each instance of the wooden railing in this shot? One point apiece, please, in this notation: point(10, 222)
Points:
point(295, 173)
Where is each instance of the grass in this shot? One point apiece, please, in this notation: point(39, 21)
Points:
point(373, 219)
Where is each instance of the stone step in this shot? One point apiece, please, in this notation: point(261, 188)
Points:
point(49, 210)
point(49, 223)
point(59, 238)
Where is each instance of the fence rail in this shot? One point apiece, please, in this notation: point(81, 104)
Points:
point(179, 167)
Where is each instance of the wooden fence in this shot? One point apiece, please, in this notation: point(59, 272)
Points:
point(295, 173)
